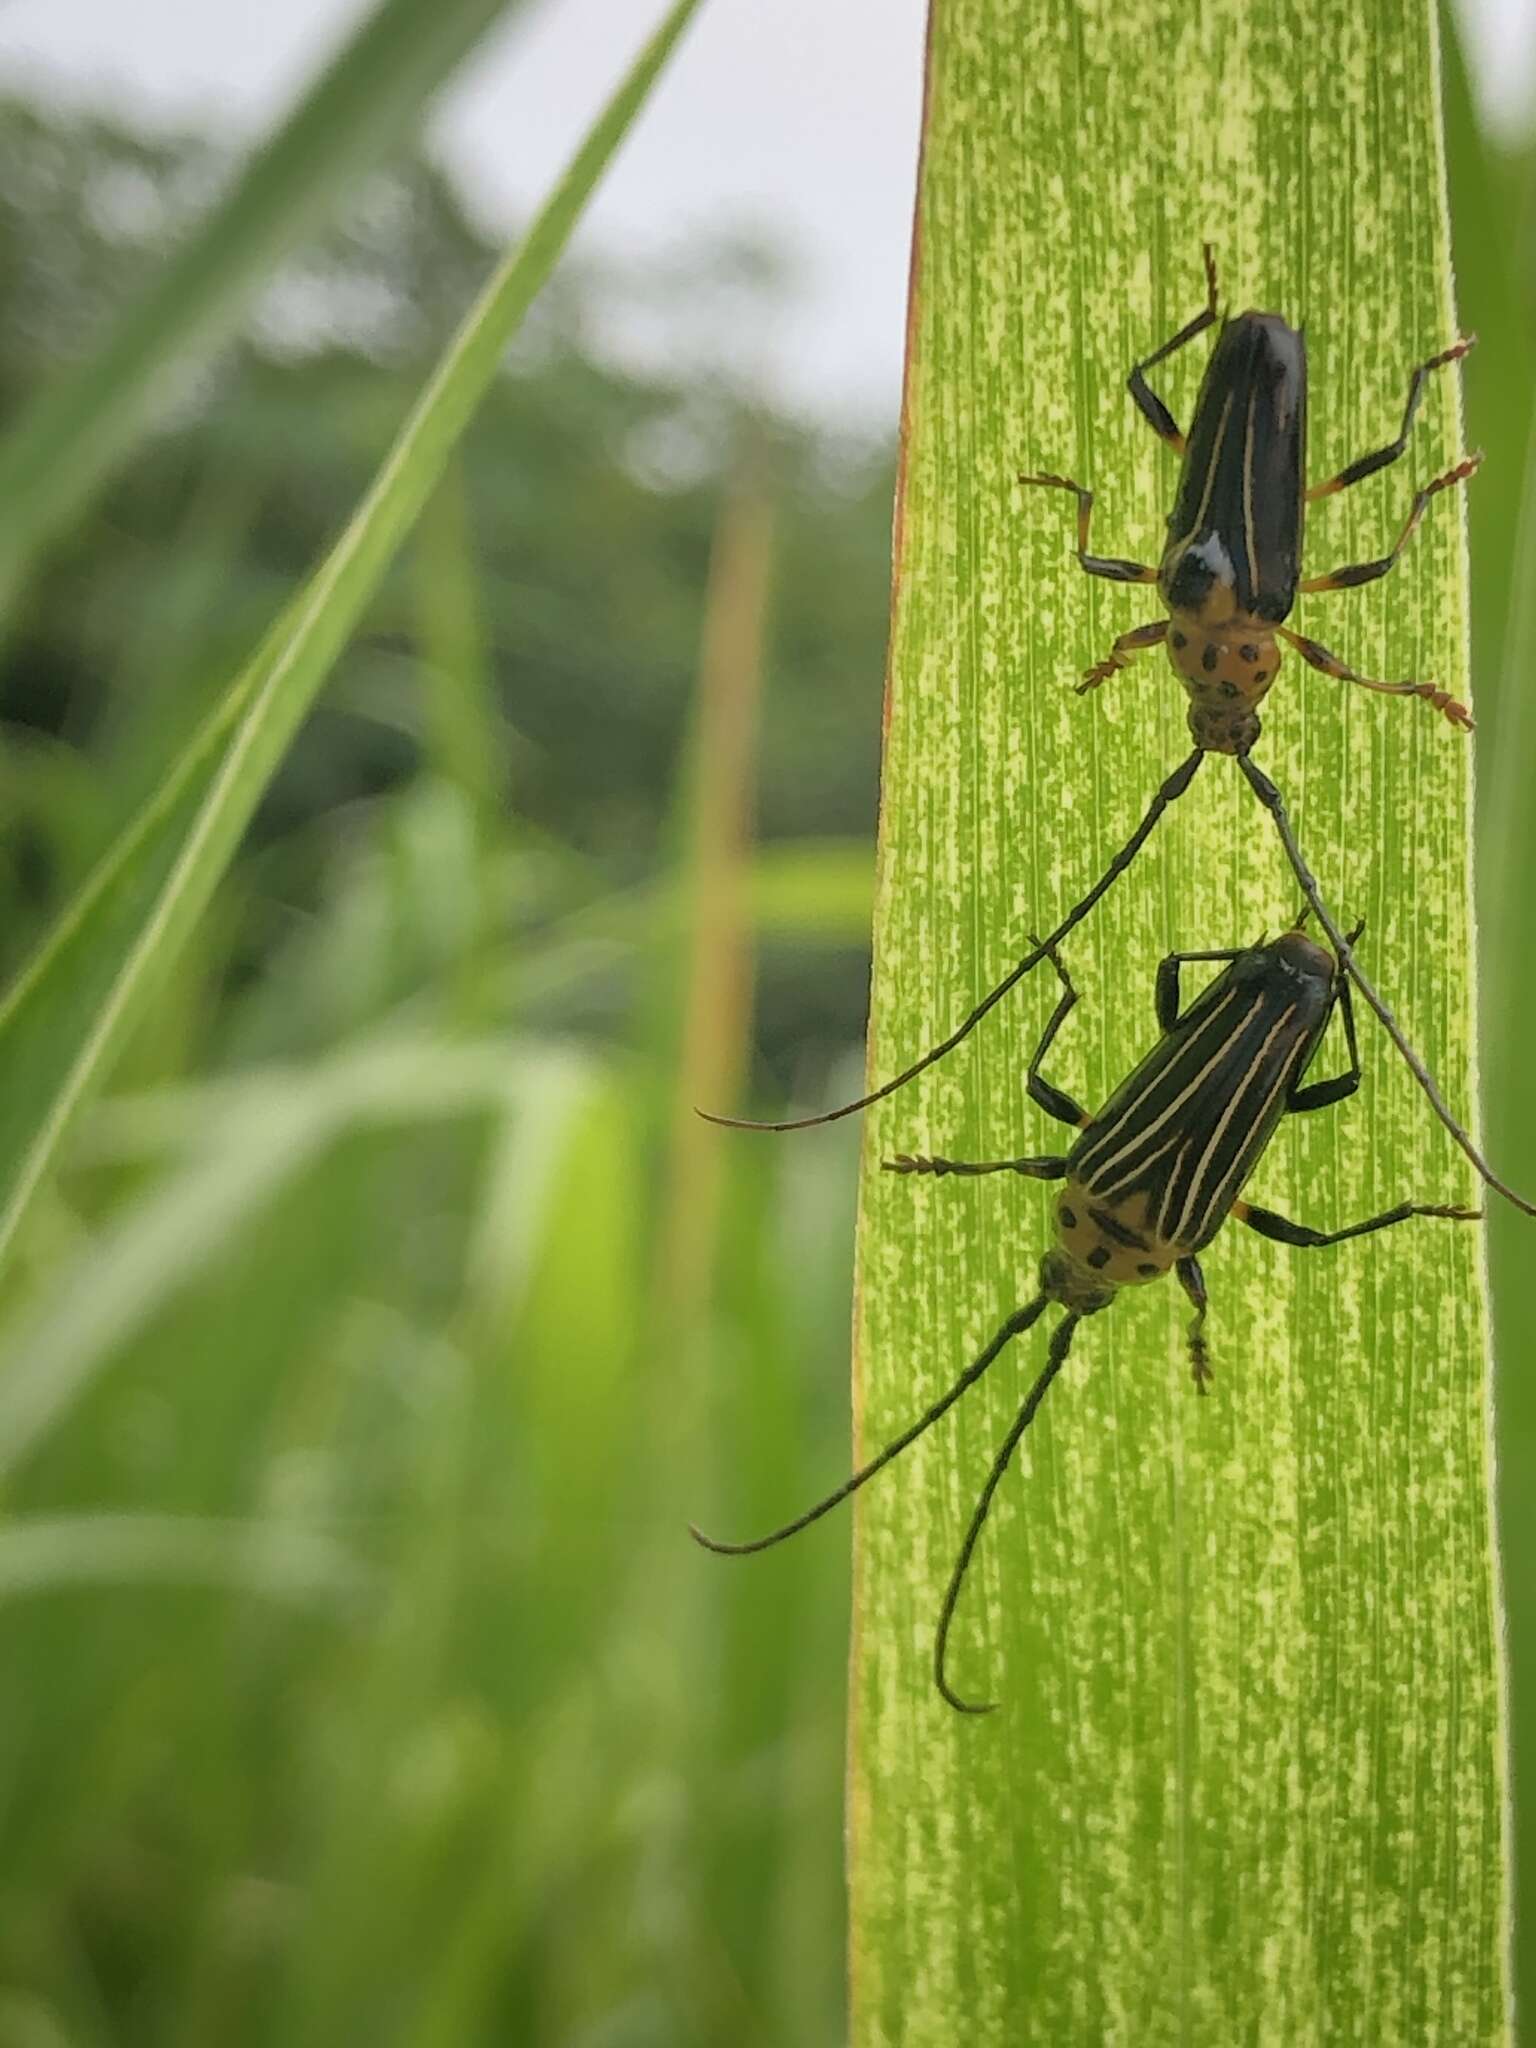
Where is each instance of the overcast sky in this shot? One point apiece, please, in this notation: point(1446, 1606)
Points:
point(798, 115)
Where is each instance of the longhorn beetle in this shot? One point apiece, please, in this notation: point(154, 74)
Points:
point(1229, 575)
point(1151, 1178)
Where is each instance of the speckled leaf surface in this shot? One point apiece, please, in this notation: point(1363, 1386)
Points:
point(1245, 1783)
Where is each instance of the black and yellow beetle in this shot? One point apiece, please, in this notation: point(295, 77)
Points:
point(1229, 575)
point(1231, 568)
point(1153, 1176)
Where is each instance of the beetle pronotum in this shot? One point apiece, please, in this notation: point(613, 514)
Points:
point(1151, 1178)
point(1229, 575)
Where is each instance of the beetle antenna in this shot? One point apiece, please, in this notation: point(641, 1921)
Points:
point(1173, 788)
point(1017, 1323)
point(1061, 1344)
point(1270, 797)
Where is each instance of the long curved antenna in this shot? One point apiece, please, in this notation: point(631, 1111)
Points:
point(1173, 788)
point(1061, 1344)
point(1016, 1324)
point(1270, 797)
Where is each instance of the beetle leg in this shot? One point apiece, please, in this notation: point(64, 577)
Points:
point(1382, 458)
point(1330, 665)
point(1320, 1094)
point(1119, 656)
point(1323, 1094)
point(1269, 796)
point(1169, 791)
point(1049, 1167)
point(1356, 573)
point(1054, 1101)
point(1111, 567)
point(1166, 988)
point(1192, 1280)
point(1150, 406)
point(1284, 1231)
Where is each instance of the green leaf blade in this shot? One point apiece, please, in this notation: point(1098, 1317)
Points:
point(1246, 1780)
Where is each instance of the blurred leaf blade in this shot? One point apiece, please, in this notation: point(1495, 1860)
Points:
point(42, 1554)
point(85, 421)
point(1508, 989)
point(1233, 1640)
point(1489, 186)
point(74, 1006)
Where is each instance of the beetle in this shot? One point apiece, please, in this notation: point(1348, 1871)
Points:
point(1151, 1178)
point(1228, 576)
point(1230, 570)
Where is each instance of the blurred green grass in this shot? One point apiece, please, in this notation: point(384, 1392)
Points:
point(361, 1682)
point(385, 1291)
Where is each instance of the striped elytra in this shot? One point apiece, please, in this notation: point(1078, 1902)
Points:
point(1157, 1170)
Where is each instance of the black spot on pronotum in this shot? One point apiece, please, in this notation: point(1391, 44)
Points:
point(1099, 1256)
point(1249, 653)
point(1067, 1217)
point(1261, 675)
point(1180, 639)
point(1208, 659)
point(1111, 1227)
point(1229, 689)
point(1147, 1268)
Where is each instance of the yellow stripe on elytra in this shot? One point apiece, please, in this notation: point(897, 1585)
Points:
point(1183, 542)
point(1195, 1223)
point(1253, 562)
point(1096, 1167)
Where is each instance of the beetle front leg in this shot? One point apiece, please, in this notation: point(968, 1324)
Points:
point(1323, 1094)
point(1051, 1167)
point(1045, 1094)
point(1382, 458)
point(1053, 1100)
point(1119, 656)
point(1165, 990)
point(1192, 1280)
point(1356, 573)
point(1314, 653)
point(1111, 567)
point(1148, 404)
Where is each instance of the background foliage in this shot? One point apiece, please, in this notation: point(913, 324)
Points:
point(391, 1242)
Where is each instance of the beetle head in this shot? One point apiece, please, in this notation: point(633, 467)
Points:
point(1063, 1279)
point(1228, 666)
